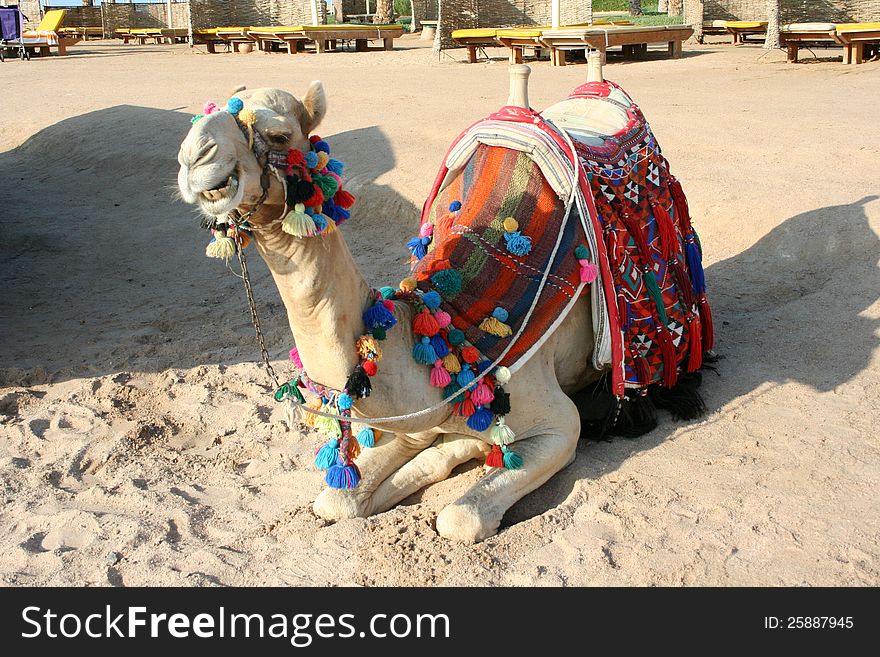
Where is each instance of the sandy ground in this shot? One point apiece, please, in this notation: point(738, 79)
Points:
point(139, 445)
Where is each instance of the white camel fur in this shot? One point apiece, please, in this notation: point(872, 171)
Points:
point(325, 295)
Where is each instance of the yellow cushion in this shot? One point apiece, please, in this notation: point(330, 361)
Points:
point(745, 25)
point(521, 32)
point(857, 27)
point(273, 30)
point(52, 20)
point(475, 33)
point(808, 27)
point(344, 27)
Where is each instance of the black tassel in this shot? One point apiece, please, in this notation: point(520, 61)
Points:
point(501, 404)
point(298, 191)
point(597, 408)
point(683, 400)
point(637, 417)
point(358, 384)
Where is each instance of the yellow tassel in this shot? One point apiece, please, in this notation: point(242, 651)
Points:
point(493, 326)
point(510, 224)
point(354, 449)
point(367, 345)
point(331, 225)
point(408, 284)
point(310, 418)
point(451, 364)
point(221, 247)
point(247, 116)
point(298, 223)
point(323, 159)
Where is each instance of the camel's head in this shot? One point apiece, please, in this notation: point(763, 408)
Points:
point(219, 171)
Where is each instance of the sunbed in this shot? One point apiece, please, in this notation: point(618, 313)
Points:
point(293, 37)
point(860, 41)
point(742, 29)
point(83, 32)
point(46, 35)
point(233, 36)
point(633, 39)
point(326, 36)
point(795, 35)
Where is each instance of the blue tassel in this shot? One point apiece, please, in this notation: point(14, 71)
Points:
point(465, 377)
point(343, 476)
point(342, 215)
point(695, 267)
point(322, 145)
point(455, 336)
point(311, 159)
point(483, 365)
point(335, 166)
point(424, 353)
point(439, 345)
point(416, 247)
point(481, 419)
point(431, 300)
point(448, 390)
point(455, 206)
point(512, 460)
point(320, 222)
point(379, 315)
point(327, 455)
point(387, 292)
point(366, 437)
point(518, 244)
point(344, 401)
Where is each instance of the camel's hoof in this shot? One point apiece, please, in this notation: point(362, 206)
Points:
point(463, 523)
point(335, 504)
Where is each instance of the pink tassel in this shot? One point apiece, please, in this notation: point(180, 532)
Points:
point(426, 230)
point(442, 318)
point(482, 395)
point(589, 271)
point(439, 376)
point(294, 356)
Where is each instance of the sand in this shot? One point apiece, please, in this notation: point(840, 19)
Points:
point(140, 447)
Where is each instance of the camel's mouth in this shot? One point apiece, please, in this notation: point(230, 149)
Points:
point(222, 198)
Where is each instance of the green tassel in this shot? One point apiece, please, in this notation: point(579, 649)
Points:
point(512, 460)
point(654, 291)
point(328, 426)
point(501, 433)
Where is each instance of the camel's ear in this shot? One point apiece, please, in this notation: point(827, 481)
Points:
point(240, 87)
point(315, 107)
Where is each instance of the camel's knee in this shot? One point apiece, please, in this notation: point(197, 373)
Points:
point(462, 522)
point(335, 504)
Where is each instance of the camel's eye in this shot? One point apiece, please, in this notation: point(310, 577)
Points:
point(278, 138)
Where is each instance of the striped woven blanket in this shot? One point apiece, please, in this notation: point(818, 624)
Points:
point(531, 215)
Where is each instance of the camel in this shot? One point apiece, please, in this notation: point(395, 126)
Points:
point(325, 294)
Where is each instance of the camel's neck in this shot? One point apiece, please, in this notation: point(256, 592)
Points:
point(325, 296)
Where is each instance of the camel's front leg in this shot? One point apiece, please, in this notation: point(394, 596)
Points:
point(375, 464)
point(430, 466)
point(546, 448)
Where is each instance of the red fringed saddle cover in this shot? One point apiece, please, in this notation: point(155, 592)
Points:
point(632, 217)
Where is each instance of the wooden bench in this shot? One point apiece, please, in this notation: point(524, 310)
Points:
point(743, 29)
point(859, 41)
point(633, 39)
point(795, 35)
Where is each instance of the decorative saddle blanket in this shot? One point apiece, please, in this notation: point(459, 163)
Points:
point(523, 233)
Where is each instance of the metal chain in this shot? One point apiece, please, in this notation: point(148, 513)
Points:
point(255, 320)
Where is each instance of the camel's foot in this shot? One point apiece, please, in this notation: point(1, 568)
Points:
point(335, 504)
point(467, 523)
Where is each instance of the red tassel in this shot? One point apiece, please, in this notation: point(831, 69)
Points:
point(622, 312)
point(668, 239)
point(670, 357)
point(425, 324)
point(695, 345)
point(317, 199)
point(682, 211)
point(495, 459)
point(634, 227)
point(642, 371)
point(683, 283)
point(708, 325)
point(344, 199)
point(465, 408)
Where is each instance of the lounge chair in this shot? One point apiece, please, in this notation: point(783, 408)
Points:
point(326, 36)
point(229, 36)
point(634, 39)
point(742, 29)
point(715, 27)
point(46, 35)
point(860, 41)
point(795, 35)
point(289, 37)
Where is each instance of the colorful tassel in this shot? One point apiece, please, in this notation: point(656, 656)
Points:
point(451, 389)
point(423, 352)
point(327, 455)
point(682, 212)
point(465, 377)
point(650, 280)
point(343, 199)
point(431, 300)
point(298, 223)
point(368, 347)
point(518, 244)
point(343, 476)
point(344, 401)
point(366, 438)
point(695, 345)
point(642, 371)
point(501, 404)
point(708, 325)
point(588, 271)
point(455, 337)
point(451, 364)
point(482, 394)
point(470, 354)
point(358, 383)
point(481, 419)
point(695, 265)
point(447, 282)
point(666, 229)
point(425, 324)
point(418, 248)
point(670, 356)
point(328, 426)
point(370, 367)
point(511, 460)
point(408, 284)
point(442, 318)
point(221, 246)
point(501, 433)
point(494, 327)
point(495, 458)
point(439, 377)
point(502, 375)
point(465, 408)
point(440, 346)
point(682, 283)
point(510, 225)
point(379, 315)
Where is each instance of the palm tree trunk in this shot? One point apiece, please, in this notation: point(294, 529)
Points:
point(772, 40)
point(384, 12)
point(635, 7)
point(693, 16)
point(675, 7)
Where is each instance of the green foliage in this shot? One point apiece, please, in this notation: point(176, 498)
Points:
point(402, 7)
point(623, 5)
